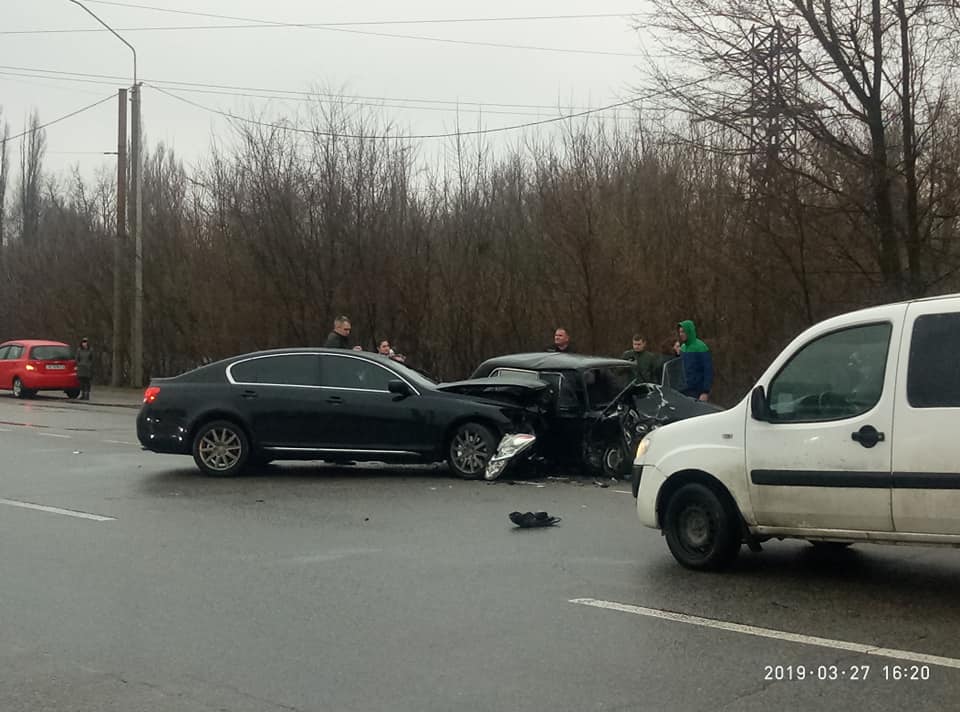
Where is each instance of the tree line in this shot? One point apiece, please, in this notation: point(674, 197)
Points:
point(605, 228)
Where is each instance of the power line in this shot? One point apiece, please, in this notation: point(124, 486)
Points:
point(420, 21)
point(333, 27)
point(312, 25)
point(62, 118)
point(48, 83)
point(455, 134)
point(291, 94)
point(270, 25)
point(308, 98)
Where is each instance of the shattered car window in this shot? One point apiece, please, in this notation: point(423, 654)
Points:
point(605, 384)
point(570, 396)
point(561, 389)
point(516, 373)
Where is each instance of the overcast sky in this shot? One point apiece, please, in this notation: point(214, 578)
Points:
point(387, 70)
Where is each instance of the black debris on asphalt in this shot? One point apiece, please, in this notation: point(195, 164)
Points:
point(528, 520)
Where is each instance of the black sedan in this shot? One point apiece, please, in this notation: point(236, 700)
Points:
point(324, 404)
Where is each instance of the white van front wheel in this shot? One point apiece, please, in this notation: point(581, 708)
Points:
point(702, 529)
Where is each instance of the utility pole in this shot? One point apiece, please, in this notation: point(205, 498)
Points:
point(136, 366)
point(121, 233)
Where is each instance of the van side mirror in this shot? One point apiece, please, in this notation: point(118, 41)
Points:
point(758, 404)
point(399, 387)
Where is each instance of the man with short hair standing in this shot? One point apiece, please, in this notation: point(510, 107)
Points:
point(645, 365)
point(561, 341)
point(339, 338)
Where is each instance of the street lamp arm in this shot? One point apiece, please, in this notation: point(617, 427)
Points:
point(115, 34)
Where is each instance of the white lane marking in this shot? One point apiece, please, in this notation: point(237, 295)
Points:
point(5, 430)
point(57, 510)
point(623, 491)
point(771, 633)
point(54, 435)
point(117, 442)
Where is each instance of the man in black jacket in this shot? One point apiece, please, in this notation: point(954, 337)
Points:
point(561, 342)
point(339, 338)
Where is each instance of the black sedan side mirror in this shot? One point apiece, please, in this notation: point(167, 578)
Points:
point(758, 405)
point(399, 387)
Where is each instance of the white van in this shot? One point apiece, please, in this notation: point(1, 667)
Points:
point(851, 435)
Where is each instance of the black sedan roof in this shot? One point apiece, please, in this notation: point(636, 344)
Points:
point(551, 361)
point(202, 372)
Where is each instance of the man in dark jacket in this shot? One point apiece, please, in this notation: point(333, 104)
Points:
point(561, 342)
point(339, 338)
point(84, 360)
point(645, 364)
point(697, 362)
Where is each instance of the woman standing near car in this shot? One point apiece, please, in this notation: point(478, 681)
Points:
point(84, 367)
point(671, 365)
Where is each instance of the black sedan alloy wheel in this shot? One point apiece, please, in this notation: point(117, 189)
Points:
point(471, 448)
point(221, 448)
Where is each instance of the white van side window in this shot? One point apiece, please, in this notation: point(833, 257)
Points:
point(839, 375)
point(933, 378)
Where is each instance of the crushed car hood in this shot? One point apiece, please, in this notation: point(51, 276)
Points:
point(516, 391)
point(661, 405)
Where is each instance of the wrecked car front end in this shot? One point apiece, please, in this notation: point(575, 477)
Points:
point(524, 399)
point(611, 441)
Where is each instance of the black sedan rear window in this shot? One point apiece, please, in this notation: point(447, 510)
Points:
point(51, 353)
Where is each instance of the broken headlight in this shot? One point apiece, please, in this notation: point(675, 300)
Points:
point(510, 446)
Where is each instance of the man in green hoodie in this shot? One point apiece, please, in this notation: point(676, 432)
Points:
point(644, 363)
point(697, 362)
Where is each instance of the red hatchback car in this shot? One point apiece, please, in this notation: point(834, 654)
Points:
point(28, 366)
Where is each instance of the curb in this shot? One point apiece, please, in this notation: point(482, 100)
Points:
point(134, 406)
point(82, 404)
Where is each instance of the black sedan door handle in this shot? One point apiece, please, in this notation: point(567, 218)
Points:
point(248, 394)
point(868, 436)
point(335, 400)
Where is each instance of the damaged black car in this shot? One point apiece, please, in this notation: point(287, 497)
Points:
point(584, 412)
point(331, 405)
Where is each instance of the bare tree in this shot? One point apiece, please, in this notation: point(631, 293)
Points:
point(859, 82)
point(4, 173)
point(32, 151)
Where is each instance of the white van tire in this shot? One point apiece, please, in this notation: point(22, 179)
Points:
point(702, 528)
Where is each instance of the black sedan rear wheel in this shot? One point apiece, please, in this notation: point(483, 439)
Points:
point(221, 448)
point(471, 448)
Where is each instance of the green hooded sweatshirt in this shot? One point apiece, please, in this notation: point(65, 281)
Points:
point(692, 344)
point(697, 362)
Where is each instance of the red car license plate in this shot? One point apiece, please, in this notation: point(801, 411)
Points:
point(55, 367)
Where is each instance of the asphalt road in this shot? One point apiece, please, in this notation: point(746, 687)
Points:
point(307, 587)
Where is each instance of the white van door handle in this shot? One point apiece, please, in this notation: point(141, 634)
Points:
point(868, 436)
